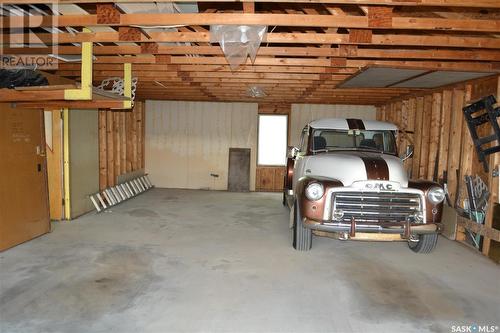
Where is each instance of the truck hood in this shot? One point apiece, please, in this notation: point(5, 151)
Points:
point(351, 166)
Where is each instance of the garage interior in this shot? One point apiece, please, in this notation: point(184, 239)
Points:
point(145, 151)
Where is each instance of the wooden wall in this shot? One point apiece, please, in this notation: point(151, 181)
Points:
point(121, 143)
point(187, 143)
point(434, 123)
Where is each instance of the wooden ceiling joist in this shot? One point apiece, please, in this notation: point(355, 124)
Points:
point(275, 38)
point(291, 20)
point(407, 3)
point(310, 48)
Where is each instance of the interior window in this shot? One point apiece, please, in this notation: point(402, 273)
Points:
point(272, 140)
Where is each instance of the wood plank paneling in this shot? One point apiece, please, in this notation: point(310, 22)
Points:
point(121, 143)
point(419, 114)
point(103, 159)
point(442, 139)
point(425, 137)
point(432, 167)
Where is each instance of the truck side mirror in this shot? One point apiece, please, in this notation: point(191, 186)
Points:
point(408, 153)
point(294, 151)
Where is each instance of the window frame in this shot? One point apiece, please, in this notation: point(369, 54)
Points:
point(258, 139)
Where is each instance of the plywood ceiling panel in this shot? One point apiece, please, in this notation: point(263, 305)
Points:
point(376, 77)
point(440, 78)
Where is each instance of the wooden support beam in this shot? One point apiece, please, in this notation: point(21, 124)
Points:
point(110, 149)
point(362, 36)
point(11, 95)
point(444, 133)
point(107, 13)
point(248, 7)
point(434, 153)
point(103, 166)
point(419, 112)
point(483, 230)
point(84, 93)
point(405, 3)
point(129, 34)
point(133, 34)
point(454, 151)
point(379, 19)
point(92, 104)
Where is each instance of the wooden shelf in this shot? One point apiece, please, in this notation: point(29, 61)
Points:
point(53, 96)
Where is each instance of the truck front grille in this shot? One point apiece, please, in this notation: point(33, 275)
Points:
point(377, 207)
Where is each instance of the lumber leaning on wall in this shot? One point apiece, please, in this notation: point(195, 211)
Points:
point(433, 122)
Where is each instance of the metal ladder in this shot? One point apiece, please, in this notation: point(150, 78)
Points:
point(114, 195)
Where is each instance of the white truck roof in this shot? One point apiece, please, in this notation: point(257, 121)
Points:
point(346, 124)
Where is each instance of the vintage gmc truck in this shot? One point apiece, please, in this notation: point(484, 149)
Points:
point(346, 179)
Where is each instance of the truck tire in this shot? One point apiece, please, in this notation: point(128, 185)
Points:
point(301, 236)
point(426, 243)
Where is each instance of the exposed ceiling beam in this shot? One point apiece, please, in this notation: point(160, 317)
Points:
point(292, 20)
point(296, 38)
point(445, 3)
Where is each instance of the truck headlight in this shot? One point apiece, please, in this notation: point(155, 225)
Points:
point(436, 195)
point(314, 191)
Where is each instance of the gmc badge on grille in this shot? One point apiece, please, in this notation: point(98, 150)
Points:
point(380, 186)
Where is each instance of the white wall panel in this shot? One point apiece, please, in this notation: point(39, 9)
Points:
point(302, 114)
point(188, 141)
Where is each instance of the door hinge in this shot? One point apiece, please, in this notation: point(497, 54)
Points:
point(63, 202)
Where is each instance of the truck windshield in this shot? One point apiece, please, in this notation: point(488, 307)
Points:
point(325, 140)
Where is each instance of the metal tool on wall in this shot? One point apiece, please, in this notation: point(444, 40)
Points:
point(477, 114)
point(478, 195)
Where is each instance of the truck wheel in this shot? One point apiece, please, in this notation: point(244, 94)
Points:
point(426, 243)
point(301, 236)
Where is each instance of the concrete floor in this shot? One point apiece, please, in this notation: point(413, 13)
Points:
point(196, 261)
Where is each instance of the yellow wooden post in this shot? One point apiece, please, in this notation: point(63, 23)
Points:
point(85, 91)
point(127, 84)
point(67, 193)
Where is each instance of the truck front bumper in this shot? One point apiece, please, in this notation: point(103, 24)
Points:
point(405, 228)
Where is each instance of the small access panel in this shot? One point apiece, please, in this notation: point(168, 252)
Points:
point(238, 179)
